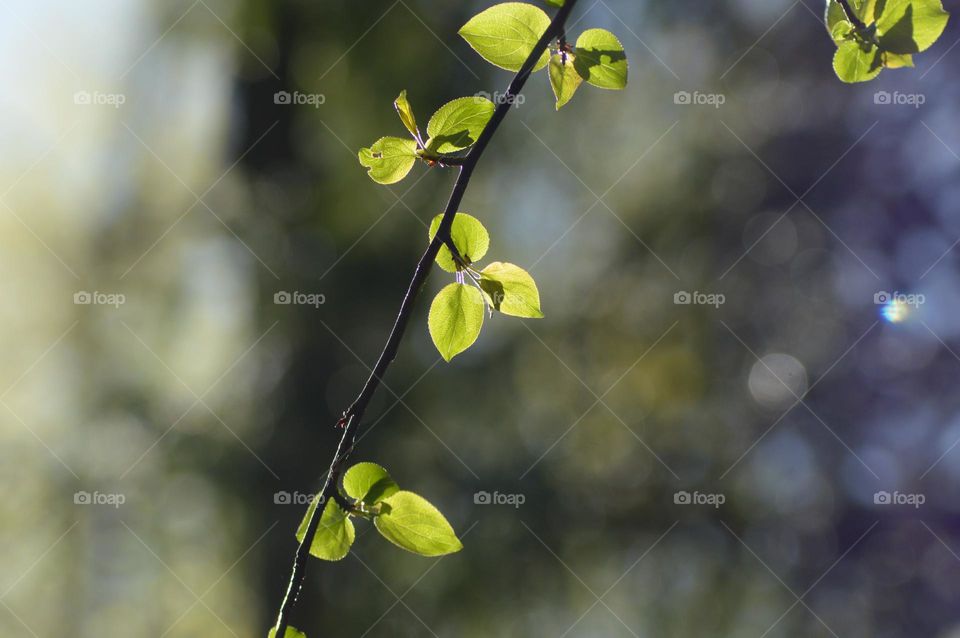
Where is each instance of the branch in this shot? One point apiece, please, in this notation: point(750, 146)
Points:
point(851, 16)
point(354, 414)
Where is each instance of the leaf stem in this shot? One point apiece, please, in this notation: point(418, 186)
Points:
point(354, 414)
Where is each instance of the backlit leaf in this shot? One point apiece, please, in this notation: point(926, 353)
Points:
point(511, 290)
point(910, 26)
point(600, 59)
point(368, 482)
point(456, 316)
point(853, 63)
point(468, 235)
point(564, 79)
point(389, 159)
point(335, 532)
point(405, 111)
point(505, 34)
point(456, 125)
point(409, 521)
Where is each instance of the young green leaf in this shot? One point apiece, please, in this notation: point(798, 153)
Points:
point(833, 17)
point(456, 316)
point(335, 533)
point(389, 159)
point(456, 125)
point(468, 235)
point(842, 30)
point(409, 521)
point(564, 79)
point(854, 62)
point(405, 111)
point(505, 34)
point(863, 10)
point(289, 633)
point(600, 59)
point(511, 290)
point(368, 482)
point(910, 26)
point(897, 60)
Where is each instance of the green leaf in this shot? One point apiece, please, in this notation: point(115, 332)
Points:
point(456, 316)
point(910, 26)
point(842, 30)
point(600, 59)
point(505, 34)
point(468, 235)
point(564, 79)
point(368, 482)
point(289, 633)
point(405, 111)
point(409, 521)
point(854, 63)
point(389, 159)
point(833, 17)
point(896, 60)
point(456, 125)
point(335, 532)
point(835, 13)
point(554, 3)
point(511, 290)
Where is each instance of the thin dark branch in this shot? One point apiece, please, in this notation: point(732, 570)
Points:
point(354, 414)
point(851, 16)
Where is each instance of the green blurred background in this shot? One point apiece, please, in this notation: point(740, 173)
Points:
point(163, 417)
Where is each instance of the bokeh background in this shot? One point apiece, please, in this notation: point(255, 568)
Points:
point(151, 436)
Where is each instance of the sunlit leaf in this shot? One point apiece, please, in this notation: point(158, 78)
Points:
point(456, 316)
point(511, 290)
point(600, 59)
point(910, 26)
point(564, 78)
point(468, 235)
point(841, 31)
point(505, 34)
point(405, 111)
point(456, 125)
point(389, 159)
point(368, 482)
point(409, 521)
point(897, 60)
point(854, 63)
point(335, 532)
point(863, 10)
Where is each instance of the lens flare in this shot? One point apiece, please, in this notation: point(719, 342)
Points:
point(895, 311)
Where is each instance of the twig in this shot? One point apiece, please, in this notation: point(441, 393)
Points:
point(353, 415)
point(851, 16)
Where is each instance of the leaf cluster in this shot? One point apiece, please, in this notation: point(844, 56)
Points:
point(881, 34)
